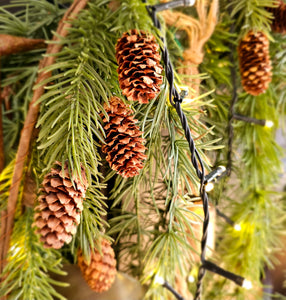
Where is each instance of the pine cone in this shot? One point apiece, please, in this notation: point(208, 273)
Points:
point(60, 206)
point(254, 63)
point(100, 272)
point(279, 17)
point(124, 146)
point(139, 66)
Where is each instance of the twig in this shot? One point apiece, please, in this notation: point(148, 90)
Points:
point(2, 157)
point(10, 44)
point(31, 119)
point(2, 163)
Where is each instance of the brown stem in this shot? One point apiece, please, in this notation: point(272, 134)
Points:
point(31, 119)
point(2, 157)
point(10, 44)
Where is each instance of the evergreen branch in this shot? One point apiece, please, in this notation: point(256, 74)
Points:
point(259, 146)
point(30, 121)
point(261, 218)
point(252, 14)
point(5, 183)
point(92, 224)
point(2, 155)
point(28, 264)
point(32, 18)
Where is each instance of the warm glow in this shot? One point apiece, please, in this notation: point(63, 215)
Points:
point(268, 124)
point(222, 168)
point(159, 280)
point(191, 2)
point(209, 186)
point(191, 278)
point(247, 284)
point(237, 227)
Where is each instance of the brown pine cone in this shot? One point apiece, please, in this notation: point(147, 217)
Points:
point(100, 272)
point(279, 17)
point(60, 206)
point(254, 63)
point(139, 66)
point(124, 144)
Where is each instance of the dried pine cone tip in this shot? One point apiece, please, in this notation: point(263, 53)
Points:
point(123, 144)
point(60, 206)
point(139, 68)
point(279, 16)
point(254, 63)
point(100, 272)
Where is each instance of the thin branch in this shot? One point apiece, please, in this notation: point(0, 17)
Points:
point(10, 44)
point(31, 119)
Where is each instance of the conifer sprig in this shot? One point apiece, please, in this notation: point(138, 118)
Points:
point(28, 265)
point(251, 15)
point(82, 79)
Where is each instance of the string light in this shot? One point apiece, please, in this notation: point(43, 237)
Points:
point(173, 4)
point(265, 123)
point(237, 227)
point(175, 100)
point(214, 176)
point(239, 280)
point(161, 281)
point(247, 284)
point(268, 124)
point(191, 278)
point(184, 92)
point(209, 187)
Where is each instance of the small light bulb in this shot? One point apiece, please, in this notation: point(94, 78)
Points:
point(237, 227)
point(191, 278)
point(159, 280)
point(222, 168)
point(268, 124)
point(209, 186)
point(190, 2)
point(247, 284)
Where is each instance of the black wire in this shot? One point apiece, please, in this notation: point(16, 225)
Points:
point(196, 160)
point(170, 288)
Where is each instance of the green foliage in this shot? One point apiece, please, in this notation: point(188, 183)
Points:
point(28, 265)
point(84, 77)
point(34, 19)
point(70, 119)
point(260, 214)
point(132, 14)
point(154, 206)
point(256, 156)
point(152, 213)
point(92, 223)
point(278, 52)
point(5, 183)
point(260, 151)
point(251, 15)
